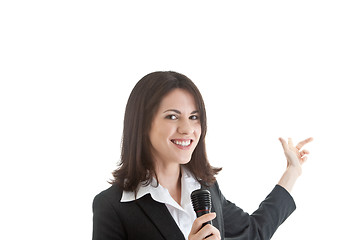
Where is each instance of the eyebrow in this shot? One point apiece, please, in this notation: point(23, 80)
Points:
point(178, 112)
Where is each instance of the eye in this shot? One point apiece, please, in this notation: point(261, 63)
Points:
point(194, 117)
point(171, 117)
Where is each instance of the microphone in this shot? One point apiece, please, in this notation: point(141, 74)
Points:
point(201, 201)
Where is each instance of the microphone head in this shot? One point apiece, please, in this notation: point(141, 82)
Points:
point(201, 200)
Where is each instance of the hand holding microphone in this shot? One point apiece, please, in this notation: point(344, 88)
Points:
point(201, 201)
point(202, 227)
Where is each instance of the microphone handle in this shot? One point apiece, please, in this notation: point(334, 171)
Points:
point(201, 212)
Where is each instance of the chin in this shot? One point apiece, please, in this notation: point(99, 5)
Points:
point(184, 160)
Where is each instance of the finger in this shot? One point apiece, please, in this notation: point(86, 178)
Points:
point(283, 143)
point(209, 230)
point(304, 159)
point(290, 142)
point(200, 221)
point(302, 143)
point(303, 152)
point(213, 237)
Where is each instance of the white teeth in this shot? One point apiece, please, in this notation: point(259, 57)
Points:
point(182, 143)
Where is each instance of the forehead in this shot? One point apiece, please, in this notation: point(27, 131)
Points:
point(178, 99)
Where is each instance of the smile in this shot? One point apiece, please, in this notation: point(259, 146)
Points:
point(182, 143)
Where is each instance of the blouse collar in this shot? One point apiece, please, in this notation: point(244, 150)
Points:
point(161, 194)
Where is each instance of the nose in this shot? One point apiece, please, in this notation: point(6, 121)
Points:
point(185, 127)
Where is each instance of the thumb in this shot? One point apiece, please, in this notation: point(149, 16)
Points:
point(283, 143)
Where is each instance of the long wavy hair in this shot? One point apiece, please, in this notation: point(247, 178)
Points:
point(136, 163)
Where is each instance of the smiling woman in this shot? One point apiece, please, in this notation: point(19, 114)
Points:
point(163, 160)
point(175, 132)
point(161, 109)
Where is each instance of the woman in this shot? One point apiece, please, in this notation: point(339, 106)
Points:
point(163, 160)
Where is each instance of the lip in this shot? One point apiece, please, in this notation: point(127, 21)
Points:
point(181, 140)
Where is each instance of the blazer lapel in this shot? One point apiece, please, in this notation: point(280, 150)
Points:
point(160, 216)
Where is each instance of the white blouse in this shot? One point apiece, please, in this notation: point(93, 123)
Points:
point(183, 215)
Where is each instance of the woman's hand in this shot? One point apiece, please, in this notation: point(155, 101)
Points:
point(294, 155)
point(295, 158)
point(199, 233)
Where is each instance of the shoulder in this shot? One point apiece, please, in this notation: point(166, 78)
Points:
point(213, 188)
point(215, 192)
point(108, 215)
point(109, 196)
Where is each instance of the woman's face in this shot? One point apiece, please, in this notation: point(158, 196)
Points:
point(176, 129)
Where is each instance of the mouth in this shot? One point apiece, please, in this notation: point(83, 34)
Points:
point(182, 142)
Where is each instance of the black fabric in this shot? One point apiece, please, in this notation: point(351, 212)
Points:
point(147, 219)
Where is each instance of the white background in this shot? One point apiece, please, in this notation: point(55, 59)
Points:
point(265, 68)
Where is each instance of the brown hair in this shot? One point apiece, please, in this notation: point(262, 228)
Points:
point(136, 164)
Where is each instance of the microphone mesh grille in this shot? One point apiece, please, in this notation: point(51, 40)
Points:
point(201, 199)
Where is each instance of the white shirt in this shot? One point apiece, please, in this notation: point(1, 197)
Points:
point(183, 215)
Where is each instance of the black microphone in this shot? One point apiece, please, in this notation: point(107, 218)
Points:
point(201, 201)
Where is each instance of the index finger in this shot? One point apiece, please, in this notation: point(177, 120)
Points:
point(302, 143)
point(197, 225)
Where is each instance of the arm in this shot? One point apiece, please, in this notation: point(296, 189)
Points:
point(295, 158)
point(277, 206)
point(261, 224)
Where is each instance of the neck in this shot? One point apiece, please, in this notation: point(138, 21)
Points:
point(169, 177)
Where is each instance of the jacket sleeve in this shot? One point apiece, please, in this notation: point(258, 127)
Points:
point(106, 222)
point(262, 224)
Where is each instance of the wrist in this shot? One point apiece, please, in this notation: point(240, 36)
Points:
point(295, 171)
point(289, 177)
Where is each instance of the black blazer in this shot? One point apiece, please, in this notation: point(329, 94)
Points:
point(147, 219)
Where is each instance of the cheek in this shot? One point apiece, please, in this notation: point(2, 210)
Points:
point(156, 137)
point(165, 131)
point(198, 128)
point(198, 131)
